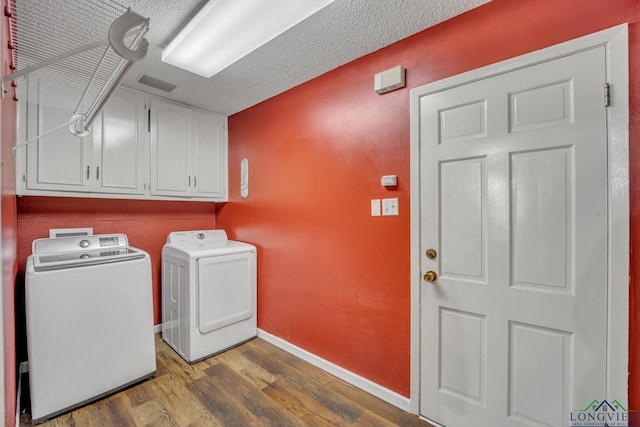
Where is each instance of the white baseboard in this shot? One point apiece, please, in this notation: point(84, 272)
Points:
point(427, 420)
point(354, 379)
point(157, 328)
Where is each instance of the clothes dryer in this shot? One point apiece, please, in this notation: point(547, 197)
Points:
point(208, 293)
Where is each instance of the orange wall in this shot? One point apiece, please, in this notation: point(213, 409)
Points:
point(9, 235)
point(332, 279)
point(146, 224)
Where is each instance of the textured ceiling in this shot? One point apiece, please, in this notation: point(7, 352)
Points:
point(341, 32)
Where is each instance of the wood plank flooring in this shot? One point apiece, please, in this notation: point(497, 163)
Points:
point(255, 384)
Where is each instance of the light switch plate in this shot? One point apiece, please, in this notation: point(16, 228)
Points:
point(389, 207)
point(375, 207)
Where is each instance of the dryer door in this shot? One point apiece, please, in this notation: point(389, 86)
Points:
point(226, 290)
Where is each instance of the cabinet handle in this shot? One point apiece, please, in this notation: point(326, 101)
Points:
point(189, 180)
point(98, 172)
point(88, 171)
point(195, 182)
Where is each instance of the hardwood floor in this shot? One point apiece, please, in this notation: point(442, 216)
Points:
point(255, 384)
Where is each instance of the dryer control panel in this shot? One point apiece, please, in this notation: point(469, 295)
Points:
point(198, 237)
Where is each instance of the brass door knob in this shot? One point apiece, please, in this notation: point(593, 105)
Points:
point(431, 253)
point(430, 276)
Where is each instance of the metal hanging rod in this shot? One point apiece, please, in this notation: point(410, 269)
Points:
point(76, 52)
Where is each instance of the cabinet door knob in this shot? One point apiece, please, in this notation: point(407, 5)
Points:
point(88, 171)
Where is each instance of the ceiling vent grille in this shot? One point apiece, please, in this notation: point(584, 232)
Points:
point(146, 79)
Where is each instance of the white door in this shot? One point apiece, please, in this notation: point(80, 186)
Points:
point(225, 290)
point(59, 160)
point(119, 135)
point(170, 149)
point(210, 160)
point(513, 178)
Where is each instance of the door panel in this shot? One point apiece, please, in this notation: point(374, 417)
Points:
point(463, 236)
point(547, 105)
point(121, 133)
point(463, 353)
point(463, 122)
point(532, 371)
point(170, 149)
point(542, 203)
point(57, 161)
point(210, 159)
point(513, 183)
point(225, 290)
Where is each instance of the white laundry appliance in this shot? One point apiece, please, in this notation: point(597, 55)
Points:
point(208, 293)
point(89, 312)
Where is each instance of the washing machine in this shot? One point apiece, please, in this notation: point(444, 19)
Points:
point(89, 313)
point(208, 293)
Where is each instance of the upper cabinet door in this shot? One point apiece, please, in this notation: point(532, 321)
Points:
point(119, 148)
point(58, 161)
point(210, 155)
point(139, 147)
point(170, 149)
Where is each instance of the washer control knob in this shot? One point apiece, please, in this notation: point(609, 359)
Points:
point(84, 256)
point(201, 236)
point(84, 243)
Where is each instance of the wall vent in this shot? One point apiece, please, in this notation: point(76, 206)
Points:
point(146, 79)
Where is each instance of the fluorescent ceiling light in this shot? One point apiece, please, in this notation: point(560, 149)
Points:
point(224, 31)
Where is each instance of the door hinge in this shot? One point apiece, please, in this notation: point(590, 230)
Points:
point(607, 94)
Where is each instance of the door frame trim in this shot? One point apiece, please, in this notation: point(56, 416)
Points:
point(615, 41)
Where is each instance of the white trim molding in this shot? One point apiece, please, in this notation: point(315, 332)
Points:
point(615, 41)
point(356, 380)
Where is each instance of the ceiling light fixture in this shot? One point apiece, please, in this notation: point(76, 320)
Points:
point(224, 31)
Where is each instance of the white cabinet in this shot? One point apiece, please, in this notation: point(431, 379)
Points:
point(109, 160)
point(119, 149)
point(166, 151)
point(188, 152)
point(59, 160)
point(171, 149)
point(209, 160)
